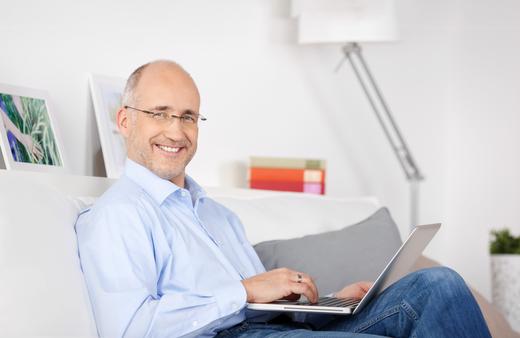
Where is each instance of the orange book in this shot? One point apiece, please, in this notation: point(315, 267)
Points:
point(287, 175)
point(276, 174)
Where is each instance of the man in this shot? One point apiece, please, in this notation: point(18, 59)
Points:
point(161, 259)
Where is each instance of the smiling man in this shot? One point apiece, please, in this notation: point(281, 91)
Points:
point(151, 141)
point(161, 259)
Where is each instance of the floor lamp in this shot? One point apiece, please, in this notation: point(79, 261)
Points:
point(341, 21)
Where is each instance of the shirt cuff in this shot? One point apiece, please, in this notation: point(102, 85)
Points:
point(231, 298)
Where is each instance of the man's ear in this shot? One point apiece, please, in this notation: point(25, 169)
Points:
point(123, 121)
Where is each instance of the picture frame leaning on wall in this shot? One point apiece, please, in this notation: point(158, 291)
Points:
point(29, 138)
point(106, 96)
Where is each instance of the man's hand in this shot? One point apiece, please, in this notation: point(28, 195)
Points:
point(356, 290)
point(280, 284)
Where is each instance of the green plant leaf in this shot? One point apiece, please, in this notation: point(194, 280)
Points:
point(502, 242)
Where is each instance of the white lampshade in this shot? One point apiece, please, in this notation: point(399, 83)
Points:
point(341, 21)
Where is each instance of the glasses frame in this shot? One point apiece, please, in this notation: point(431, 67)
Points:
point(170, 117)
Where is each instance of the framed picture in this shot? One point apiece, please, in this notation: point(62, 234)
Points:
point(29, 139)
point(106, 96)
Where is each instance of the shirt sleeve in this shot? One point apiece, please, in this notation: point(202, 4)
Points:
point(118, 259)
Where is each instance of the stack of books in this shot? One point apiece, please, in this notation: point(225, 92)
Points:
point(287, 174)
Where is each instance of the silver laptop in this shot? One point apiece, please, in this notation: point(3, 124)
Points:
point(396, 268)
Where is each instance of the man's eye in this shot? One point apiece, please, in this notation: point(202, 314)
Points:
point(158, 116)
point(188, 118)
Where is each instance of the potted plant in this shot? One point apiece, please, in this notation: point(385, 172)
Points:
point(505, 274)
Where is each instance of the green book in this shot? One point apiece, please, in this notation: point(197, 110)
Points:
point(283, 162)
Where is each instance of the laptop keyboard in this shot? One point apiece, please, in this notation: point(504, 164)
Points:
point(333, 302)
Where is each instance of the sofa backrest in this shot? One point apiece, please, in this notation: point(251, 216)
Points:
point(41, 285)
point(268, 215)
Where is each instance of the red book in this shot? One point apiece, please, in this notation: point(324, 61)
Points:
point(277, 185)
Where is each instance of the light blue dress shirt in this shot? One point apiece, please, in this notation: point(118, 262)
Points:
point(162, 261)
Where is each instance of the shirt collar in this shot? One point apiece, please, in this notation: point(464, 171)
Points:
point(196, 191)
point(159, 189)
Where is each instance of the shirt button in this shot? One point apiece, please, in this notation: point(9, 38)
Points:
point(194, 323)
point(183, 193)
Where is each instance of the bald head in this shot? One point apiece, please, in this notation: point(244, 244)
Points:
point(154, 69)
point(163, 145)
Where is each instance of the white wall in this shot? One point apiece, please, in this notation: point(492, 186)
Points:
point(482, 125)
point(451, 82)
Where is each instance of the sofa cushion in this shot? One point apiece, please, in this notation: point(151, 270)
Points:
point(337, 258)
point(41, 286)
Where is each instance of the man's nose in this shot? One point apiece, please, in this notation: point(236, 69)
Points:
point(174, 125)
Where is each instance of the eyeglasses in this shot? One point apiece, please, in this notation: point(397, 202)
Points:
point(187, 119)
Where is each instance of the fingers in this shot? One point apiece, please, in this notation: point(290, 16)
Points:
point(365, 286)
point(306, 290)
point(356, 290)
point(314, 288)
point(37, 151)
point(304, 284)
point(281, 283)
point(292, 297)
point(35, 148)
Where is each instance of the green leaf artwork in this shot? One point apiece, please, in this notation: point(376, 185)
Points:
point(29, 131)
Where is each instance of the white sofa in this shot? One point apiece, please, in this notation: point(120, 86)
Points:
point(42, 293)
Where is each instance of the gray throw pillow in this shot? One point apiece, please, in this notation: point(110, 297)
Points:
point(335, 259)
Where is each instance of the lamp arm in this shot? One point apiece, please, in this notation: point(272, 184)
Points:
point(391, 130)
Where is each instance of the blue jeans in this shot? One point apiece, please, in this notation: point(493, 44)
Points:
point(428, 303)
